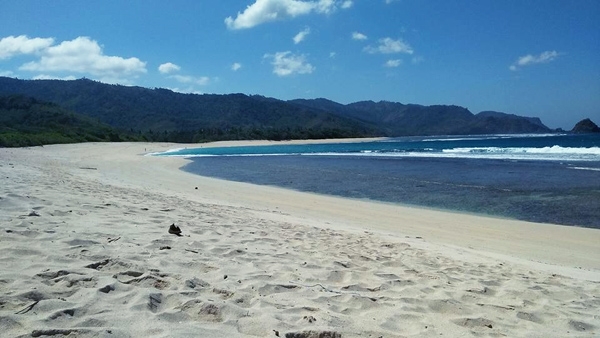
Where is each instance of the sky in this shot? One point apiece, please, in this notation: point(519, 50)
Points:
point(538, 58)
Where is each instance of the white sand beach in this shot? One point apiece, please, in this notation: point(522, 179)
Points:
point(85, 252)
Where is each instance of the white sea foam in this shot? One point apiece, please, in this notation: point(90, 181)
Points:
point(544, 150)
point(169, 152)
point(544, 153)
point(540, 154)
point(585, 168)
point(554, 153)
point(174, 150)
point(488, 137)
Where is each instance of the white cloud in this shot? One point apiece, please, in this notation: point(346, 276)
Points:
point(16, 45)
point(301, 35)
point(203, 80)
point(332, 55)
point(325, 6)
point(84, 55)
point(52, 77)
point(167, 68)
point(262, 11)
point(417, 59)
point(347, 4)
point(390, 46)
point(529, 59)
point(387, 2)
point(358, 36)
point(7, 73)
point(393, 63)
point(189, 90)
point(287, 63)
point(236, 66)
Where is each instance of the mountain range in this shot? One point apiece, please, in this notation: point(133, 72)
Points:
point(165, 115)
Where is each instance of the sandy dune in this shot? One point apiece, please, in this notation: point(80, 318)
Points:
point(85, 252)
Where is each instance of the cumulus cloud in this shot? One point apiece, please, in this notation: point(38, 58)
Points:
point(390, 46)
point(15, 45)
point(347, 4)
point(301, 35)
point(529, 59)
point(236, 66)
point(52, 77)
point(358, 36)
point(287, 63)
point(393, 63)
point(84, 55)
point(262, 11)
point(325, 6)
point(203, 80)
point(167, 68)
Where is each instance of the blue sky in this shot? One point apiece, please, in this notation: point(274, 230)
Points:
point(527, 57)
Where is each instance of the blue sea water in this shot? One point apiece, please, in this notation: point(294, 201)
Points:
point(542, 178)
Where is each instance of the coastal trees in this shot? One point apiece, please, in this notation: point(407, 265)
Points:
point(26, 121)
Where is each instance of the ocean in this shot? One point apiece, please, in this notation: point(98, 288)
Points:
point(541, 178)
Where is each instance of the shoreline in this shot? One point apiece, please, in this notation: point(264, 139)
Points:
point(84, 239)
point(249, 143)
point(355, 214)
point(255, 176)
point(317, 207)
point(532, 191)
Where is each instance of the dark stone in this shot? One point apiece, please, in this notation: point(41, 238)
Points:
point(174, 230)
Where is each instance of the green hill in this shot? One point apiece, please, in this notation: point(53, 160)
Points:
point(163, 115)
point(25, 121)
point(397, 119)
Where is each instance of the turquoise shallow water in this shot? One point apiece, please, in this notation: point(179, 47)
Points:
point(553, 179)
point(519, 147)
